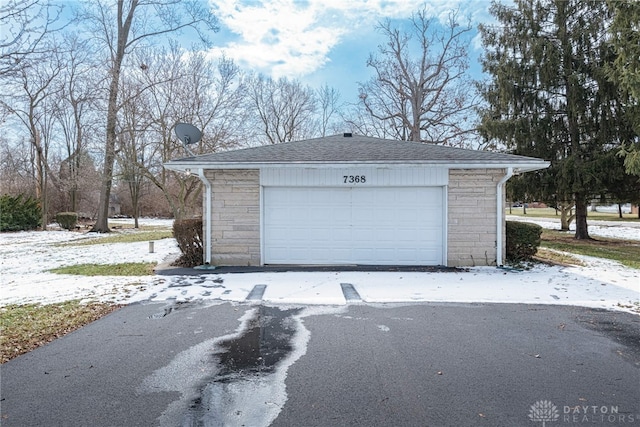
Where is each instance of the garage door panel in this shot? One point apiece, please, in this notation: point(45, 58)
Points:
point(363, 196)
point(353, 225)
point(342, 236)
point(385, 236)
point(342, 255)
point(411, 235)
point(359, 254)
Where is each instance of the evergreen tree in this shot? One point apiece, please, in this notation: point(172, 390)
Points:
point(549, 96)
point(625, 70)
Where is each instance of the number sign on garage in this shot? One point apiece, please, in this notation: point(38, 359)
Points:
point(367, 216)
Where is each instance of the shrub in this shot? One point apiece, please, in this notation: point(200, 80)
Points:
point(19, 213)
point(523, 240)
point(188, 234)
point(67, 220)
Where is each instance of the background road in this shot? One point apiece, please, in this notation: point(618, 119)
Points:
point(422, 365)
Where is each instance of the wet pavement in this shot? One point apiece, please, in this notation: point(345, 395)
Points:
point(250, 357)
point(204, 364)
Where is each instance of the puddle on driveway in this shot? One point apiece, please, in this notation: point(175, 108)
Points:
point(171, 308)
point(245, 388)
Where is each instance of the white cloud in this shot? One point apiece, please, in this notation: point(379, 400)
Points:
point(280, 38)
point(293, 38)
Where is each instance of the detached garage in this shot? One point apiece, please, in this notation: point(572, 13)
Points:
point(354, 200)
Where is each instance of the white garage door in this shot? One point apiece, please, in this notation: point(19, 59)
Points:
point(369, 226)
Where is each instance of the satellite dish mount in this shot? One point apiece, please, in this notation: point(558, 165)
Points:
point(188, 134)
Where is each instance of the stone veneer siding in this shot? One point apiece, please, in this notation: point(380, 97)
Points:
point(472, 216)
point(235, 215)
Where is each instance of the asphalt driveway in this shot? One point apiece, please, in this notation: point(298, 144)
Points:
point(372, 365)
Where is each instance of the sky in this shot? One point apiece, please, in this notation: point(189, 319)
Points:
point(322, 41)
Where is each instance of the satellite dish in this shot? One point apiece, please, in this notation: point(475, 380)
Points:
point(188, 134)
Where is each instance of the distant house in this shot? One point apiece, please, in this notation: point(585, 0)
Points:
point(538, 205)
point(348, 199)
point(114, 205)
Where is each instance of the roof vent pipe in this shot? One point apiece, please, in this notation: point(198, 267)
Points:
point(347, 134)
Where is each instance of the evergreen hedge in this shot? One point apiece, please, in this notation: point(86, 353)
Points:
point(523, 239)
point(19, 213)
point(188, 234)
point(67, 220)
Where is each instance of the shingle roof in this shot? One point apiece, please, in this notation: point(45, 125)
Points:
point(341, 149)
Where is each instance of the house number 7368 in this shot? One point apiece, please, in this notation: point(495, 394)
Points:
point(354, 179)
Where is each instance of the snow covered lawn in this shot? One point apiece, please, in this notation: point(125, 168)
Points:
point(614, 229)
point(26, 258)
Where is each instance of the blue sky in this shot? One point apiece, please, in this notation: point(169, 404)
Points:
point(321, 41)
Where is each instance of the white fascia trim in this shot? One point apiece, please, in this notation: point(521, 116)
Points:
point(207, 217)
point(517, 167)
point(262, 212)
point(500, 216)
point(445, 228)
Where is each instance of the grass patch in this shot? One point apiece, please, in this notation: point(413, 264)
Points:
point(624, 251)
point(556, 257)
point(125, 237)
point(26, 327)
point(124, 226)
point(632, 306)
point(551, 213)
point(124, 269)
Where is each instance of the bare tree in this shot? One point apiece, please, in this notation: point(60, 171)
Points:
point(32, 105)
point(75, 113)
point(25, 23)
point(330, 109)
point(16, 167)
point(171, 87)
point(133, 150)
point(420, 90)
point(359, 121)
point(285, 110)
point(120, 31)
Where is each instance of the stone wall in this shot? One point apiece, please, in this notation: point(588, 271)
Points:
point(472, 216)
point(235, 215)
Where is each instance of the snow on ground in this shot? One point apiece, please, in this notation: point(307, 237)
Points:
point(613, 229)
point(26, 258)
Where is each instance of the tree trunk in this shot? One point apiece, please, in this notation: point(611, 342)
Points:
point(45, 204)
point(136, 225)
point(102, 225)
point(582, 231)
point(102, 221)
point(73, 199)
point(620, 210)
point(75, 161)
point(41, 183)
point(566, 217)
point(134, 191)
